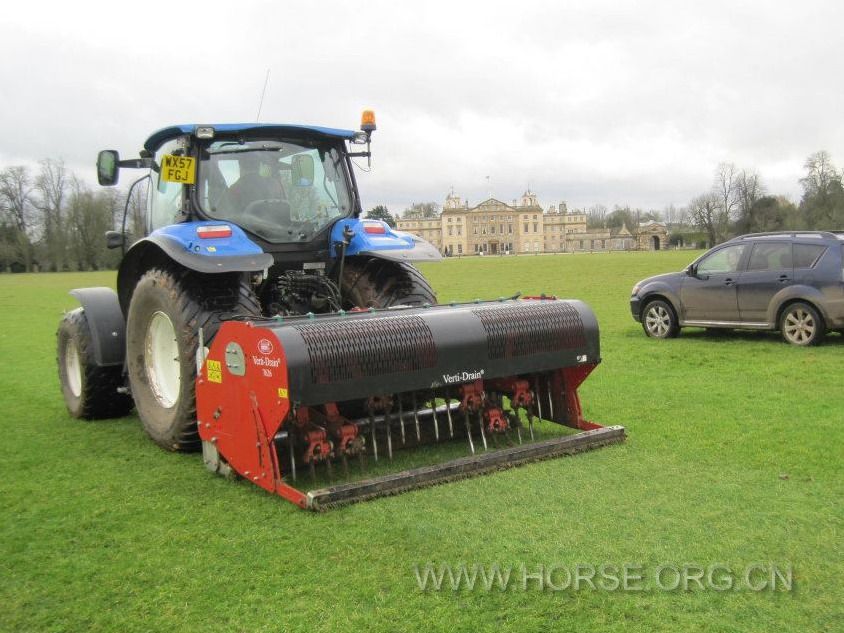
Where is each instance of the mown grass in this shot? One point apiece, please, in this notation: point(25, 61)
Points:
point(734, 456)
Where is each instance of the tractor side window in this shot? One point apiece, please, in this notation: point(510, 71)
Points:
point(165, 197)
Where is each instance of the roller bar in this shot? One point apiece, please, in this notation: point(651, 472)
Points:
point(343, 494)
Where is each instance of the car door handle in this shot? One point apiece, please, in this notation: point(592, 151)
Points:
point(784, 278)
point(728, 282)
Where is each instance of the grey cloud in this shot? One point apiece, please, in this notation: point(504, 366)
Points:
point(591, 103)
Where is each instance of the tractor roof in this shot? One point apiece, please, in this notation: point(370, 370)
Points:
point(165, 134)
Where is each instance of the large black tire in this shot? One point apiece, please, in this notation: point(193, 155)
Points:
point(184, 302)
point(378, 283)
point(90, 392)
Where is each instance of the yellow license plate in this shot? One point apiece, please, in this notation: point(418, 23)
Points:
point(178, 169)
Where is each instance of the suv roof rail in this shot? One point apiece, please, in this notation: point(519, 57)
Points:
point(794, 233)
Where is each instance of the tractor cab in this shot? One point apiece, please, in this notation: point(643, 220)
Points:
point(283, 191)
point(282, 184)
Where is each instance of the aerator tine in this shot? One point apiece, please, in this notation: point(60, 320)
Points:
point(416, 419)
point(401, 422)
point(448, 415)
point(481, 427)
point(387, 423)
point(434, 416)
point(372, 432)
point(468, 430)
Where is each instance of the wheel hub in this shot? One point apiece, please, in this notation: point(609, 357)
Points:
point(161, 360)
point(799, 326)
point(658, 321)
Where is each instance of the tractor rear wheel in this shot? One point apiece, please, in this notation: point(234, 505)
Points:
point(379, 283)
point(166, 312)
point(90, 392)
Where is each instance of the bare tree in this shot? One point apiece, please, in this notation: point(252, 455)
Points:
point(726, 189)
point(17, 210)
point(90, 215)
point(596, 216)
point(820, 174)
point(51, 185)
point(422, 210)
point(675, 216)
point(706, 214)
point(136, 212)
point(823, 196)
point(749, 189)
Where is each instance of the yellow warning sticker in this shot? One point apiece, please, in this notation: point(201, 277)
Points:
point(282, 392)
point(214, 371)
point(178, 169)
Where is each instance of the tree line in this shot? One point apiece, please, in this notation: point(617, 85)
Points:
point(737, 202)
point(51, 220)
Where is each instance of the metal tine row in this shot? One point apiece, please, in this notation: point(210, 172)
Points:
point(534, 413)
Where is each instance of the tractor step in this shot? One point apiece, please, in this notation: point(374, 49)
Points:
point(342, 494)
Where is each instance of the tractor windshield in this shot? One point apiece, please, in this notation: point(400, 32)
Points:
point(281, 191)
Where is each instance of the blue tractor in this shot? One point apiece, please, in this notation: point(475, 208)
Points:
point(244, 221)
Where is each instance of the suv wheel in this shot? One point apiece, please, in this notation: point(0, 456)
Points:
point(801, 324)
point(659, 320)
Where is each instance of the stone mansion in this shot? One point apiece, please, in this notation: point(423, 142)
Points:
point(494, 227)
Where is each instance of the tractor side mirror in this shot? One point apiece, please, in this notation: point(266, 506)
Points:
point(303, 170)
point(108, 168)
point(114, 239)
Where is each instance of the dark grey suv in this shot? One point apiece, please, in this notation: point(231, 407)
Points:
point(792, 282)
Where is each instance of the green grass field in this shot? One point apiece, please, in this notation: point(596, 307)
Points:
point(734, 457)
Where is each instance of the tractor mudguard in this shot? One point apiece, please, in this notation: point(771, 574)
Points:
point(198, 246)
point(105, 319)
point(375, 238)
point(194, 246)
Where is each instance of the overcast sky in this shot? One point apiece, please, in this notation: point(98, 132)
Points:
point(586, 102)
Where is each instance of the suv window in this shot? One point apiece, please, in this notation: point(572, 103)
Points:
point(725, 260)
point(770, 256)
point(807, 255)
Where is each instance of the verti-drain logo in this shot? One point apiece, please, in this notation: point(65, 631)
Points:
point(463, 376)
